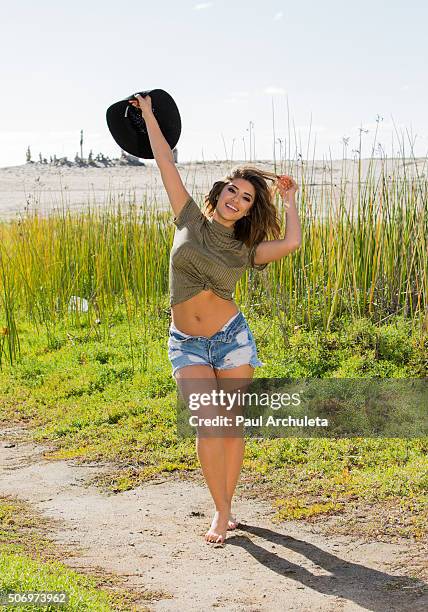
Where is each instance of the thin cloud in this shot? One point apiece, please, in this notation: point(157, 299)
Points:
point(279, 15)
point(66, 134)
point(312, 128)
point(388, 125)
point(234, 100)
point(274, 90)
point(20, 134)
point(202, 5)
point(237, 96)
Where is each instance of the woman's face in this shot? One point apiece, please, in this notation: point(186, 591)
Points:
point(235, 200)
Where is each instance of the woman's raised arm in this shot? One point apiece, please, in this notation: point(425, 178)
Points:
point(177, 193)
point(272, 250)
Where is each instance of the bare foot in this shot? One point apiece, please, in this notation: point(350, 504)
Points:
point(217, 532)
point(232, 523)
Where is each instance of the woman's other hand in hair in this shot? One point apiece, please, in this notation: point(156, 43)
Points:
point(287, 187)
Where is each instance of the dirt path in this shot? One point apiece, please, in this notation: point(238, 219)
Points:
point(154, 536)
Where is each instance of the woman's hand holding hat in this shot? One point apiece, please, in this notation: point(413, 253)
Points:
point(144, 104)
point(128, 121)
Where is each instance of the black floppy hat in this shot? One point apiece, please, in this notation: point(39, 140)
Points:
point(128, 128)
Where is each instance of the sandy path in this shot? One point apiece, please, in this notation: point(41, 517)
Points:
point(154, 536)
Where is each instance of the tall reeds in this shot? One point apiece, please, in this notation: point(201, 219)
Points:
point(364, 253)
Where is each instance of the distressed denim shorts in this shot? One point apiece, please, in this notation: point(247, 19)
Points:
point(232, 346)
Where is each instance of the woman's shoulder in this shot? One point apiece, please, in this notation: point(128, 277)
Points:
point(190, 214)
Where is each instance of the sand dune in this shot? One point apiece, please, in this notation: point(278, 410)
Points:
point(44, 187)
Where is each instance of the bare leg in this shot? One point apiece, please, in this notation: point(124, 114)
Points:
point(234, 455)
point(234, 447)
point(211, 453)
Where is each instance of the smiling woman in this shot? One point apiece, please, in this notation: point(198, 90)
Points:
point(246, 189)
point(212, 251)
point(234, 189)
point(210, 341)
point(205, 257)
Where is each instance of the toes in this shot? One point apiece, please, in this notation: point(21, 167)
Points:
point(214, 538)
point(209, 537)
point(211, 541)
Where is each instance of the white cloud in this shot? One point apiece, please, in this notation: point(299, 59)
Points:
point(235, 100)
point(274, 90)
point(202, 5)
point(237, 96)
point(372, 126)
point(22, 135)
point(311, 128)
point(404, 88)
point(278, 16)
point(33, 135)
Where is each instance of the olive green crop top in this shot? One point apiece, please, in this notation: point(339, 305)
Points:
point(205, 255)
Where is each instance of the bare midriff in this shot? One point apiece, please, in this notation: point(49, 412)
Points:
point(203, 314)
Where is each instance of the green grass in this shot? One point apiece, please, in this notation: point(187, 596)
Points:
point(30, 561)
point(352, 302)
point(368, 257)
point(84, 396)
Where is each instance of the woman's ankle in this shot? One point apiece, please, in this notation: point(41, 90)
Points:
point(223, 508)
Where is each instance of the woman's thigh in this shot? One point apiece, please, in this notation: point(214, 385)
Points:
point(231, 381)
point(193, 383)
point(244, 372)
point(195, 379)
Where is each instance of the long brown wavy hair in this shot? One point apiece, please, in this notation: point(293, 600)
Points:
point(262, 221)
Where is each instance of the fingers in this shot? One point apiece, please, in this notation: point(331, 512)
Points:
point(140, 98)
point(286, 183)
point(144, 104)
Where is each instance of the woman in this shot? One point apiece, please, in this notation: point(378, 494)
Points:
point(209, 337)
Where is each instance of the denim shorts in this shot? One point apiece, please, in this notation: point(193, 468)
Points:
point(232, 346)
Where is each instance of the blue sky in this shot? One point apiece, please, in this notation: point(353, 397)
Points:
point(336, 64)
